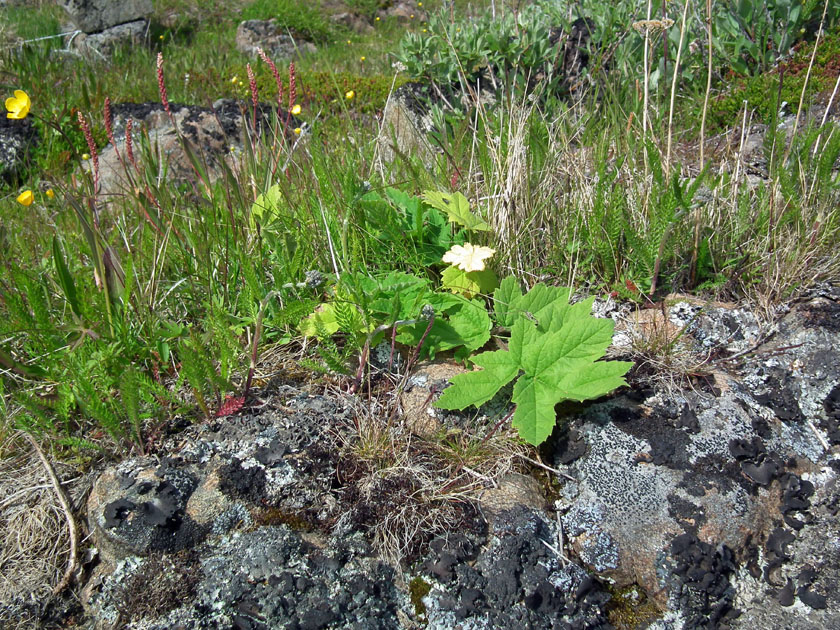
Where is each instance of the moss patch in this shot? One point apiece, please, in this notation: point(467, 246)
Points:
point(630, 608)
point(418, 588)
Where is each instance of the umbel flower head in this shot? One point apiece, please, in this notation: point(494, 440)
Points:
point(18, 105)
point(468, 257)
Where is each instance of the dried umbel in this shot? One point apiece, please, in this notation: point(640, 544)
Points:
point(652, 27)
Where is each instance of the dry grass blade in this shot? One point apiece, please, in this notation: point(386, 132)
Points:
point(35, 553)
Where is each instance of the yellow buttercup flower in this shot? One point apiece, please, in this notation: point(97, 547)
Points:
point(25, 198)
point(50, 193)
point(296, 110)
point(363, 58)
point(297, 131)
point(349, 95)
point(234, 79)
point(468, 257)
point(377, 18)
point(85, 156)
point(18, 105)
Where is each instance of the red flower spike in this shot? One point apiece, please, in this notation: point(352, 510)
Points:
point(231, 406)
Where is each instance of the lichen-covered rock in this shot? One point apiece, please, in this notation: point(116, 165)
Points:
point(102, 43)
point(251, 35)
point(213, 134)
point(681, 492)
point(93, 16)
point(517, 580)
point(715, 505)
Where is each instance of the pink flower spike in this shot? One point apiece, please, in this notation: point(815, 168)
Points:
point(162, 85)
point(230, 406)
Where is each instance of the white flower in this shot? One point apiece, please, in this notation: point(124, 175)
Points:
point(468, 257)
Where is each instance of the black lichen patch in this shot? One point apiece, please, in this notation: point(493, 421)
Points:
point(757, 465)
point(242, 483)
point(825, 315)
point(831, 423)
point(161, 584)
point(690, 516)
point(517, 582)
point(701, 582)
point(781, 398)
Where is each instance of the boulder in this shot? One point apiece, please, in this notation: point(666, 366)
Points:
point(404, 11)
point(352, 22)
point(105, 41)
point(93, 16)
point(252, 35)
point(712, 506)
point(213, 133)
point(696, 495)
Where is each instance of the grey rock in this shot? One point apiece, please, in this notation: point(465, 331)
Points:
point(92, 16)
point(353, 22)
point(214, 134)
point(711, 477)
point(105, 41)
point(252, 35)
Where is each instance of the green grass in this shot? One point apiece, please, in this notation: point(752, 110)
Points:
point(116, 314)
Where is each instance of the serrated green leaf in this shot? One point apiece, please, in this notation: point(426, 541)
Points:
point(504, 298)
point(457, 209)
point(596, 380)
point(477, 387)
point(534, 417)
point(555, 344)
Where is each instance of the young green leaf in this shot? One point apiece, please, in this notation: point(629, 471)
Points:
point(555, 345)
point(457, 208)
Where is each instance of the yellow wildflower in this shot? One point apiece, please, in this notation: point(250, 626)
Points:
point(25, 198)
point(349, 95)
point(363, 58)
point(18, 105)
point(296, 110)
point(85, 156)
point(50, 193)
point(297, 131)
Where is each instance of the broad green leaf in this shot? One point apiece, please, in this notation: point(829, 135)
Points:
point(557, 346)
point(469, 283)
point(534, 417)
point(598, 379)
point(321, 322)
point(266, 207)
point(477, 387)
point(504, 298)
point(457, 208)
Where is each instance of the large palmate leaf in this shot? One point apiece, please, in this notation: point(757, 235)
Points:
point(554, 349)
point(457, 209)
